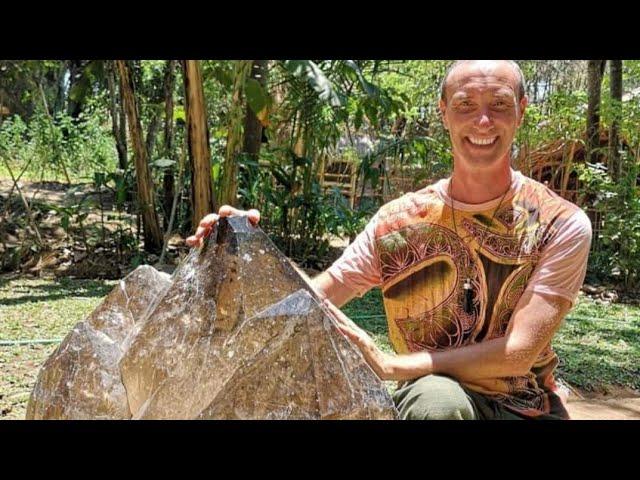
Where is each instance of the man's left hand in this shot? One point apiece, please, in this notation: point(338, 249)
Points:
point(378, 360)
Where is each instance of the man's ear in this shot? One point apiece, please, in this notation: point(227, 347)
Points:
point(524, 101)
point(443, 111)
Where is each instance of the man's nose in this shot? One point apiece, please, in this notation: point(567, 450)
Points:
point(484, 120)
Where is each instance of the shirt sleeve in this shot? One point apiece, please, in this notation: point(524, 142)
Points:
point(358, 268)
point(563, 264)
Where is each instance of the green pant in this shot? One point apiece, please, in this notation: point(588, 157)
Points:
point(436, 397)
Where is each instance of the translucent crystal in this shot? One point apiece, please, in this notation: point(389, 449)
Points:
point(237, 333)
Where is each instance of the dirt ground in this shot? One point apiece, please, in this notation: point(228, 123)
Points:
point(617, 404)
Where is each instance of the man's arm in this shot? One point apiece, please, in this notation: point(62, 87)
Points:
point(535, 320)
point(330, 289)
point(532, 327)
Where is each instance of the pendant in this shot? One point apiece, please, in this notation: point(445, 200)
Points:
point(468, 297)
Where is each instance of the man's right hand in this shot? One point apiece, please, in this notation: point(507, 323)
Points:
point(324, 284)
point(209, 221)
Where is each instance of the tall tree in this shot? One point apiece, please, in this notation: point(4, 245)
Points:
point(168, 180)
point(78, 87)
point(229, 187)
point(615, 88)
point(118, 117)
point(595, 72)
point(198, 141)
point(146, 200)
point(252, 125)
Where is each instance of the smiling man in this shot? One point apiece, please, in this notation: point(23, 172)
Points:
point(477, 270)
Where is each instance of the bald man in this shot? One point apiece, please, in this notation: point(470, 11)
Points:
point(477, 270)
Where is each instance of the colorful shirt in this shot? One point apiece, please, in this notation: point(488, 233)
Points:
point(532, 239)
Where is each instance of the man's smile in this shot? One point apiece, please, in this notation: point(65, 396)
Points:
point(479, 141)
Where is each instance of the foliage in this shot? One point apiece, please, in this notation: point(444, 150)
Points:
point(41, 147)
point(618, 259)
point(310, 109)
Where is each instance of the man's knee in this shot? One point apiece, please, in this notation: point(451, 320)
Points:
point(434, 397)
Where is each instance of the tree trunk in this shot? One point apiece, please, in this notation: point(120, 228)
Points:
point(168, 180)
point(252, 126)
point(146, 201)
point(118, 120)
point(154, 123)
point(229, 187)
point(615, 70)
point(595, 71)
point(198, 141)
point(58, 106)
point(74, 106)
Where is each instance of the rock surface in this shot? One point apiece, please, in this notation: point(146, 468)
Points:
point(237, 333)
point(81, 378)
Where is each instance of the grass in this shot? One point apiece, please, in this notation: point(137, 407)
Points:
point(368, 313)
point(598, 344)
point(37, 309)
point(37, 175)
point(45, 308)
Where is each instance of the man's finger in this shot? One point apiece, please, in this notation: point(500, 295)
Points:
point(194, 241)
point(191, 241)
point(353, 336)
point(229, 211)
point(254, 216)
point(343, 322)
point(209, 220)
point(339, 314)
point(203, 232)
point(207, 223)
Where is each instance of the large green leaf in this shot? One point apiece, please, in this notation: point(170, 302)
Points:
point(281, 176)
point(368, 87)
point(257, 96)
point(316, 79)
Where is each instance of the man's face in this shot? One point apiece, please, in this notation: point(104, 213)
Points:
point(482, 112)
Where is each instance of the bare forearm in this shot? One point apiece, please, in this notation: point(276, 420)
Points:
point(534, 322)
point(490, 359)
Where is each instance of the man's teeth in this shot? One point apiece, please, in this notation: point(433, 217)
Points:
point(482, 141)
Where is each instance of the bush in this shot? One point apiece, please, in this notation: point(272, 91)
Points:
point(617, 258)
point(52, 149)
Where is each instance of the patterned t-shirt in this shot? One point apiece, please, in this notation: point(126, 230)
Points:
point(411, 248)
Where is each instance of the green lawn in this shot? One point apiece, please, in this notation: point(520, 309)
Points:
point(37, 309)
point(598, 345)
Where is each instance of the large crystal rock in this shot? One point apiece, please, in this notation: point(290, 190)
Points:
point(238, 334)
point(81, 379)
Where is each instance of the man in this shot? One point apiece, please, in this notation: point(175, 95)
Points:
point(477, 271)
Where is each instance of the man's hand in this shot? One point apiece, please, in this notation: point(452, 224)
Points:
point(209, 221)
point(378, 360)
